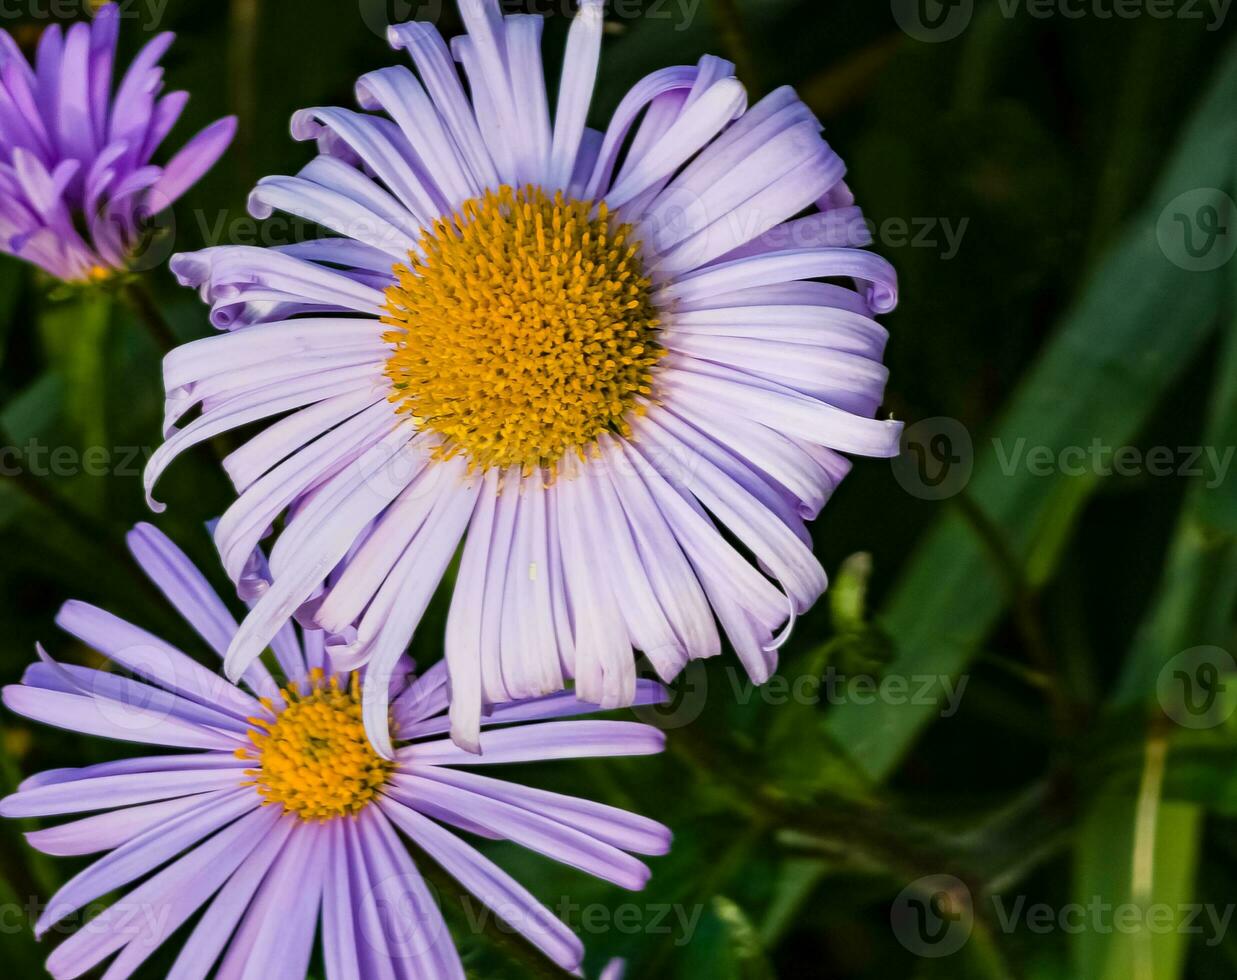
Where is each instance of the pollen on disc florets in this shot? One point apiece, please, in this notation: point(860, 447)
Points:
point(315, 757)
point(523, 330)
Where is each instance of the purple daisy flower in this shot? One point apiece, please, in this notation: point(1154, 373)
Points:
point(279, 813)
point(77, 188)
point(578, 352)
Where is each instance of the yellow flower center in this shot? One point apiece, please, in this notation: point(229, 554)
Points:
point(524, 330)
point(96, 275)
point(315, 758)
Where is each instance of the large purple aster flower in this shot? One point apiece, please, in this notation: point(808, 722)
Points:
point(580, 352)
point(276, 811)
point(77, 186)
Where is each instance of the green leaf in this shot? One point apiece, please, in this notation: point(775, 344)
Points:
point(744, 952)
point(1144, 948)
point(1128, 339)
point(33, 411)
point(22, 954)
point(979, 959)
point(796, 879)
point(1202, 769)
point(1199, 588)
point(1141, 850)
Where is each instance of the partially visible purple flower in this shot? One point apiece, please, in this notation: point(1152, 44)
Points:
point(77, 186)
point(276, 814)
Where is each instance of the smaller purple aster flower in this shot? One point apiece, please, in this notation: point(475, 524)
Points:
point(77, 188)
point(276, 814)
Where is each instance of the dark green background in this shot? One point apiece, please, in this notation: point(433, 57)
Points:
point(1062, 319)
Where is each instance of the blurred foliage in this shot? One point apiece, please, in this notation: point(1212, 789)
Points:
point(981, 695)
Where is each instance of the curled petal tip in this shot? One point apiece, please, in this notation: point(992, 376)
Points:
point(380, 739)
point(468, 741)
point(235, 665)
point(782, 638)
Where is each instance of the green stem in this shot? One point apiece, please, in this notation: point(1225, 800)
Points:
point(143, 304)
point(734, 39)
point(243, 30)
point(867, 832)
point(1025, 608)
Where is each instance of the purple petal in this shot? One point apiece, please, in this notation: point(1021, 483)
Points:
point(423, 702)
point(145, 852)
point(112, 719)
point(141, 921)
point(575, 92)
point(149, 657)
point(107, 792)
point(147, 764)
point(416, 941)
point(188, 166)
point(276, 936)
point(211, 935)
point(530, 830)
point(104, 831)
point(491, 885)
point(624, 830)
point(339, 938)
point(532, 743)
